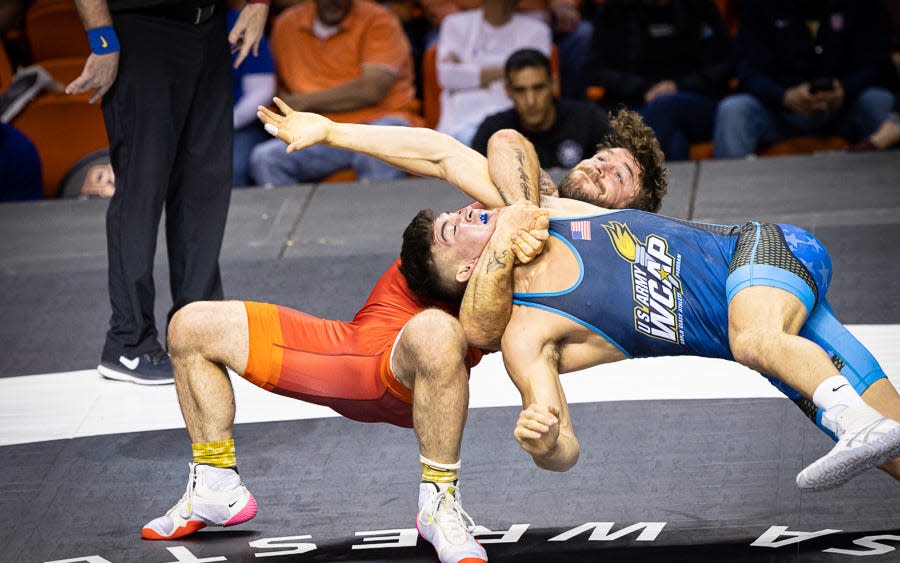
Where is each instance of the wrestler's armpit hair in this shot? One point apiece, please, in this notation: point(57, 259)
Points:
point(630, 132)
point(417, 262)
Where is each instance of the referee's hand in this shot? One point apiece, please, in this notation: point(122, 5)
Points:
point(248, 31)
point(99, 72)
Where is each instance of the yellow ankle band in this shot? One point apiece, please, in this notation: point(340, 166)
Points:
point(438, 474)
point(217, 454)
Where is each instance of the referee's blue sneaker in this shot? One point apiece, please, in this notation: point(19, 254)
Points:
point(152, 368)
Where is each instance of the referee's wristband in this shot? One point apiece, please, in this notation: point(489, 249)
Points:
point(103, 40)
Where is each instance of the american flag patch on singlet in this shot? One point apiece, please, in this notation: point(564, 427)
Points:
point(581, 230)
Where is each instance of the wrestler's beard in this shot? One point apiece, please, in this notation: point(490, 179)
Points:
point(572, 189)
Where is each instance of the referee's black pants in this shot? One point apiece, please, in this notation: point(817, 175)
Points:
point(169, 121)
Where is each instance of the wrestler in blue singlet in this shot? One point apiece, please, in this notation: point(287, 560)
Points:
point(656, 286)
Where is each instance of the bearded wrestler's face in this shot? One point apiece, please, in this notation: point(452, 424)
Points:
point(610, 178)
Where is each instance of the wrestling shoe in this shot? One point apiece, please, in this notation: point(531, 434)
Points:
point(214, 497)
point(444, 523)
point(867, 439)
point(153, 368)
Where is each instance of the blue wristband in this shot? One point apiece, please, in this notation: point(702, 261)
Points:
point(103, 40)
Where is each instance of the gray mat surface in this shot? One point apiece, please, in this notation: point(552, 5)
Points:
point(715, 472)
point(718, 473)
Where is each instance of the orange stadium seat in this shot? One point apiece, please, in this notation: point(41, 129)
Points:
point(64, 70)
point(53, 29)
point(64, 129)
point(342, 175)
point(787, 147)
point(431, 89)
point(804, 145)
point(6, 71)
point(730, 10)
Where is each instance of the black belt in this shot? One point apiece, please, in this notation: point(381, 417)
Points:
point(189, 14)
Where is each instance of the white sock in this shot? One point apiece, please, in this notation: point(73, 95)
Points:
point(834, 396)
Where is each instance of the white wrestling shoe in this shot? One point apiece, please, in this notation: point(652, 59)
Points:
point(444, 523)
point(214, 497)
point(867, 439)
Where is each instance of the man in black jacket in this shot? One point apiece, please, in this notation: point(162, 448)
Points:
point(805, 68)
point(563, 132)
point(668, 59)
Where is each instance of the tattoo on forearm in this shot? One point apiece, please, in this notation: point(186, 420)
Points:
point(547, 186)
point(525, 182)
point(498, 261)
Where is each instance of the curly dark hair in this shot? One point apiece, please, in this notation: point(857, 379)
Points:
point(418, 266)
point(631, 133)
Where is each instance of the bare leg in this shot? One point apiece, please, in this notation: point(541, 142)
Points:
point(429, 359)
point(204, 337)
point(763, 327)
point(763, 323)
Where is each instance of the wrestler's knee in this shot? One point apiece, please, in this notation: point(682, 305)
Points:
point(200, 326)
point(434, 337)
point(747, 347)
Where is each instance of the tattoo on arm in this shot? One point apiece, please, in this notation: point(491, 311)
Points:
point(499, 261)
point(547, 185)
point(523, 175)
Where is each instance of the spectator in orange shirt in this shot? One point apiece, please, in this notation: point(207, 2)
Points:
point(571, 34)
point(346, 59)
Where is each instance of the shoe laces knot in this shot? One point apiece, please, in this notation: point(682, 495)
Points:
point(444, 509)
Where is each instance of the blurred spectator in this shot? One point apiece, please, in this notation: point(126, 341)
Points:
point(20, 166)
point(888, 134)
point(885, 137)
point(12, 14)
point(12, 34)
point(571, 34)
point(670, 60)
point(346, 59)
point(471, 51)
point(892, 17)
point(254, 85)
point(563, 132)
point(806, 68)
point(278, 6)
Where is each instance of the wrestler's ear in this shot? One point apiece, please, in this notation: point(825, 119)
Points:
point(465, 271)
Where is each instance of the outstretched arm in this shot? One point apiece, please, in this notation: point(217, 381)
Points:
point(531, 354)
point(417, 150)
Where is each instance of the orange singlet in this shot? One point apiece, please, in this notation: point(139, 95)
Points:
point(342, 365)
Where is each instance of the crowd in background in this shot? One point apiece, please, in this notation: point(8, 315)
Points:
point(733, 77)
